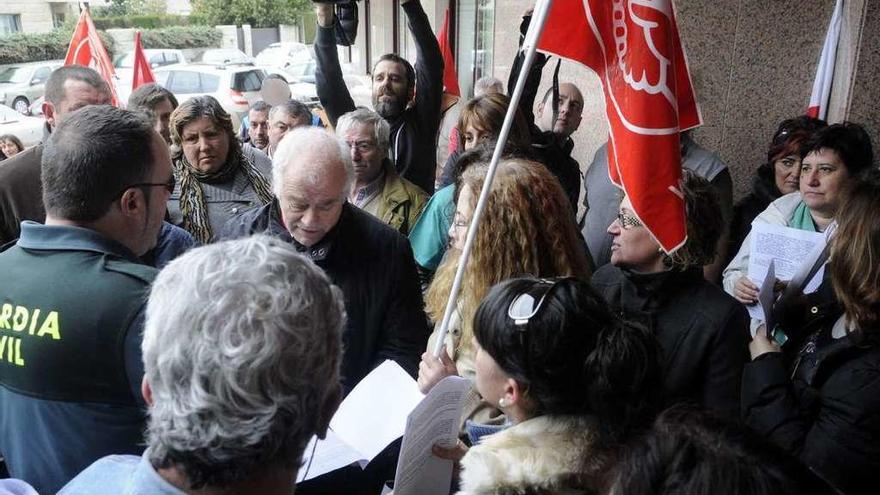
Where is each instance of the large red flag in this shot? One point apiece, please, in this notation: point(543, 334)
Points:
point(634, 47)
point(142, 72)
point(86, 49)
point(450, 78)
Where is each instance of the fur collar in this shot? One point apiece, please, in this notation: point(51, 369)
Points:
point(540, 454)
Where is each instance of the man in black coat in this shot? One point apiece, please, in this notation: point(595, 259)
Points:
point(371, 262)
point(414, 126)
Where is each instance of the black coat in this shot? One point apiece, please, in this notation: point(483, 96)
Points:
point(373, 265)
point(702, 331)
point(821, 404)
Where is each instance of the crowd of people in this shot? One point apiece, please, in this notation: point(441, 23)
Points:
point(185, 306)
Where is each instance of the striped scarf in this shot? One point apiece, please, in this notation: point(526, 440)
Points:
point(192, 198)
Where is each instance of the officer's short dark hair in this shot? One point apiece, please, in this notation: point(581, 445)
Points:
point(849, 140)
point(54, 92)
point(91, 157)
point(410, 72)
point(147, 96)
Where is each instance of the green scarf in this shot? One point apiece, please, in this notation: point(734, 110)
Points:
point(802, 219)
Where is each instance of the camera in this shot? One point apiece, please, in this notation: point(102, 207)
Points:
point(347, 20)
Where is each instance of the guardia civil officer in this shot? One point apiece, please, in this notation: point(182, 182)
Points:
point(72, 296)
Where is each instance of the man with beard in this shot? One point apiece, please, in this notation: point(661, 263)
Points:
point(414, 116)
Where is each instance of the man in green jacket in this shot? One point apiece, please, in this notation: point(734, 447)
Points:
point(378, 189)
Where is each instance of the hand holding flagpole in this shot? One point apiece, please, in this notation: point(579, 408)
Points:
point(530, 46)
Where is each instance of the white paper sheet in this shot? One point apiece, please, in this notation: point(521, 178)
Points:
point(374, 413)
point(766, 296)
point(786, 246)
point(331, 454)
point(436, 420)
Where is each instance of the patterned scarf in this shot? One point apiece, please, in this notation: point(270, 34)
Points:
point(192, 198)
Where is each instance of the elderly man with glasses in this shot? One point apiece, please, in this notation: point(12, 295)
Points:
point(378, 189)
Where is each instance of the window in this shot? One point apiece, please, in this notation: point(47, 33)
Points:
point(476, 26)
point(10, 23)
point(209, 83)
point(171, 58)
point(248, 81)
point(184, 81)
point(57, 20)
point(41, 75)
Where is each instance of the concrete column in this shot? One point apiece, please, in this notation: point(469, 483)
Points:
point(248, 39)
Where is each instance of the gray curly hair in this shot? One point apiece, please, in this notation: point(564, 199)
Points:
point(242, 345)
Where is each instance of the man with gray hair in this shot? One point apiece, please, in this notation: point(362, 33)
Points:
point(378, 189)
point(488, 85)
point(371, 262)
point(233, 401)
point(284, 118)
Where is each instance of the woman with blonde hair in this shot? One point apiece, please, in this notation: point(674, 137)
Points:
point(820, 401)
point(526, 229)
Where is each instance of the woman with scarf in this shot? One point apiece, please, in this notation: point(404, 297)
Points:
point(216, 180)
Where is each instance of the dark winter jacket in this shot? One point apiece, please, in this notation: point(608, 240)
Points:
point(373, 265)
point(702, 331)
point(822, 404)
point(414, 132)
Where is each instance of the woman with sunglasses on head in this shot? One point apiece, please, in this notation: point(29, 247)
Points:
point(821, 400)
point(777, 177)
point(572, 379)
point(526, 229)
point(831, 161)
point(703, 331)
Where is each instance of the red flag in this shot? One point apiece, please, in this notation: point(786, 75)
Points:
point(634, 47)
point(86, 49)
point(818, 107)
point(450, 78)
point(142, 72)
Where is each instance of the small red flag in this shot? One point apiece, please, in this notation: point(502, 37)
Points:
point(635, 49)
point(450, 78)
point(86, 49)
point(142, 73)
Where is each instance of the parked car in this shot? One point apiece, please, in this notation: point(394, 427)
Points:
point(235, 86)
point(21, 84)
point(124, 67)
point(223, 56)
point(281, 55)
point(28, 129)
point(301, 78)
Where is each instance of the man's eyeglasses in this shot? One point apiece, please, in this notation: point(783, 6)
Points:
point(627, 221)
point(527, 304)
point(362, 146)
point(169, 186)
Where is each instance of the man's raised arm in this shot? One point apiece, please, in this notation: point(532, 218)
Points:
point(329, 82)
point(429, 64)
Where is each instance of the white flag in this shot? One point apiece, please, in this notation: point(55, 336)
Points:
point(825, 72)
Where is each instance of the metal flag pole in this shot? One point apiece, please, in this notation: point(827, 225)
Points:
point(530, 44)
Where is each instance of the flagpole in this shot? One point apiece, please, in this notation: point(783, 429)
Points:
point(530, 44)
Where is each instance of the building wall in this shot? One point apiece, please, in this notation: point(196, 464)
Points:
point(36, 16)
point(752, 64)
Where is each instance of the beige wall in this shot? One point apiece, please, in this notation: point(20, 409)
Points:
point(753, 63)
point(36, 16)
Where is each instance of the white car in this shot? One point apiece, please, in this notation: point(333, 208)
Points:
point(301, 78)
point(28, 129)
point(124, 67)
point(282, 55)
point(236, 87)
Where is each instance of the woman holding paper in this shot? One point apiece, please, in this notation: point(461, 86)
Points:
point(702, 330)
point(831, 161)
point(821, 402)
point(572, 380)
